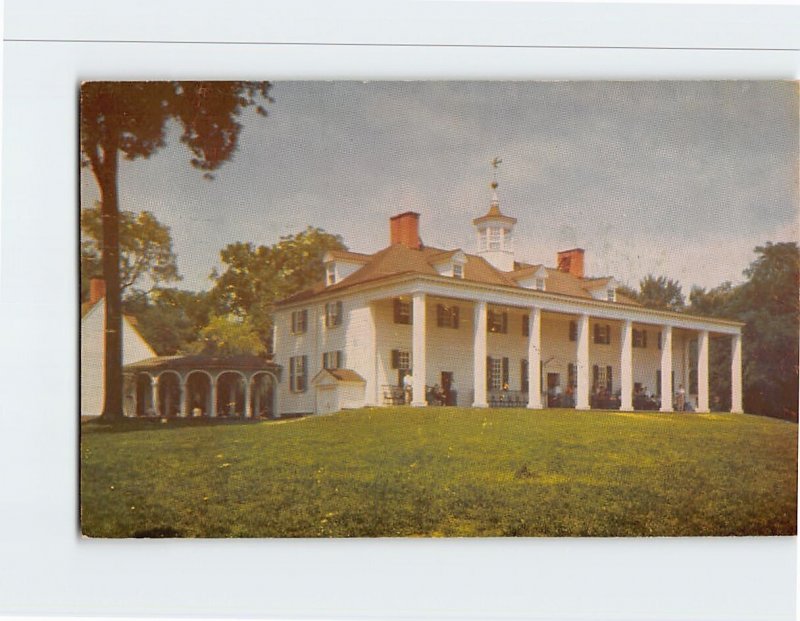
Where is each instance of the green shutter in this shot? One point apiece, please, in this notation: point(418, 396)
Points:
point(526, 329)
point(455, 317)
point(488, 372)
point(395, 358)
point(609, 380)
point(505, 372)
point(595, 373)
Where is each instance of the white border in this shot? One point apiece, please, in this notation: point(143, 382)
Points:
point(46, 569)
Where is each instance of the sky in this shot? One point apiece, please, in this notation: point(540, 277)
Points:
point(681, 179)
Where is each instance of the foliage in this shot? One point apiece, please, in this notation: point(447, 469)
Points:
point(229, 336)
point(443, 472)
point(145, 247)
point(257, 277)
point(130, 118)
point(768, 304)
point(661, 293)
point(169, 319)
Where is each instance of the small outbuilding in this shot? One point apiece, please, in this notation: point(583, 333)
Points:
point(338, 389)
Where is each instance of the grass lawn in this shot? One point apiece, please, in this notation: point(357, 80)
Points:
point(442, 472)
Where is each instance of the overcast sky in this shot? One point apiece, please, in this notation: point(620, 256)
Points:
point(682, 179)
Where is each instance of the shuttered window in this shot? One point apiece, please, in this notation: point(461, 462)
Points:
point(299, 321)
point(602, 334)
point(298, 373)
point(333, 314)
point(401, 359)
point(402, 311)
point(332, 360)
point(497, 322)
point(447, 316)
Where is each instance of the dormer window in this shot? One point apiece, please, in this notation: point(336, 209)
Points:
point(330, 274)
point(458, 270)
point(611, 295)
point(540, 284)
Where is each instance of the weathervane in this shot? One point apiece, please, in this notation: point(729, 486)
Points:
point(495, 165)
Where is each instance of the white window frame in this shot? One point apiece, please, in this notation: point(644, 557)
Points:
point(540, 284)
point(496, 374)
point(611, 295)
point(298, 374)
point(495, 239)
point(458, 270)
point(403, 359)
point(330, 274)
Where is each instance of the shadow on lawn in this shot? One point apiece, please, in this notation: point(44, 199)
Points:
point(99, 425)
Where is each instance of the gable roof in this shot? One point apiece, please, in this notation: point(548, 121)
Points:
point(340, 375)
point(399, 259)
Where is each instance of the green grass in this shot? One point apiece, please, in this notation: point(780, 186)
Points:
point(443, 472)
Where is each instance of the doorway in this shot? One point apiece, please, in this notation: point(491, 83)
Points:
point(450, 396)
point(554, 390)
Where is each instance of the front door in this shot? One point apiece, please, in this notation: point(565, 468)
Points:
point(447, 388)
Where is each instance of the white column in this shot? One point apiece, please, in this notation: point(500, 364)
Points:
point(666, 369)
point(702, 371)
point(154, 396)
point(182, 412)
point(246, 413)
point(535, 359)
point(736, 374)
point(626, 367)
point(418, 351)
point(479, 355)
point(582, 389)
point(212, 411)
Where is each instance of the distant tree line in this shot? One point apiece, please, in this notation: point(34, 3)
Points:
point(768, 303)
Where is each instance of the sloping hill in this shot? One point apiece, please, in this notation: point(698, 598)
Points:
point(443, 472)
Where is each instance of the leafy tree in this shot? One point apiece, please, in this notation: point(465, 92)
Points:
point(660, 292)
point(145, 247)
point(257, 277)
point(228, 336)
point(768, 305)
point(169, 319)
point(129, 119)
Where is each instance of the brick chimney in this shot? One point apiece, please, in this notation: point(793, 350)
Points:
point(404, 229)
point(97, 289)
point(571, 262)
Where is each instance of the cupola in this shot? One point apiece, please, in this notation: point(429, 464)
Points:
point(495, 233)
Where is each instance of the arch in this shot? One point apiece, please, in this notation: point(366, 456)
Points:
point(144, 395)
point(263, 390)
point(169, 394)
point(198, 393)
point(230, 393)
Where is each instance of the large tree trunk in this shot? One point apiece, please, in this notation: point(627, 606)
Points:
point(107, 180)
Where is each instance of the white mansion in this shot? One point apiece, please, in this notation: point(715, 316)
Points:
point(485, 330)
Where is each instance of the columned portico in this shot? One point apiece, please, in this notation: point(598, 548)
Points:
point(702, 371)
point(736, 374)
point(418, 368)
point(479, 355)
point(534, 359)
point(626, 366)
point(666, 369)
point(582, 388)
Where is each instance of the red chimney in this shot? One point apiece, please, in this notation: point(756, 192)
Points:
point(571, 262)
point(97, 289)
point(404, 229)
